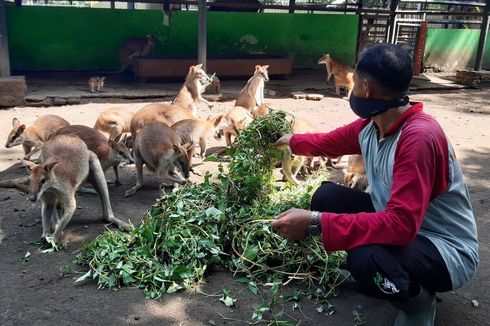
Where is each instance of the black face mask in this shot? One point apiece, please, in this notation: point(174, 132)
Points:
point(366, 108)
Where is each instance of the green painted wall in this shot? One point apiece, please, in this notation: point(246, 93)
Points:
point(43, 38)
point(452, 49)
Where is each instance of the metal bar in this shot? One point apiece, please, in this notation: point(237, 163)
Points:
point(447, 2)
point(483, 38)
point(202, 46)
point(292, 4)
point(4, 44)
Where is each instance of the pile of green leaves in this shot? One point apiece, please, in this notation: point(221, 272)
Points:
point(222, 223)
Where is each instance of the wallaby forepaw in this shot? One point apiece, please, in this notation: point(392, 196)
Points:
point(130, 192)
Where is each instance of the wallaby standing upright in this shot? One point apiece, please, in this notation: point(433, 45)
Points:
point(114, 122)
point(96, 84)
point(237, 118)
point(158, 147)
point(184, 106)
point(66, 164)
point(109, 152)
point(252, 95)
point(135, 47)
point(342, 73)
point(35, 135)
point(198, 131)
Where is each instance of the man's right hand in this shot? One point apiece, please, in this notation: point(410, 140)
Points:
point(283, 141)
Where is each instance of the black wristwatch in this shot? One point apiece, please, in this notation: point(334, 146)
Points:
point(315, 227)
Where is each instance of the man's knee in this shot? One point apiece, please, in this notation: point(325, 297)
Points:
point(324, 197)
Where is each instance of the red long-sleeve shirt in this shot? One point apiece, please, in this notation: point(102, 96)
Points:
point(420, 173)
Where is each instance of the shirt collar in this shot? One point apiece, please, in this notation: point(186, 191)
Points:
point(414, 108)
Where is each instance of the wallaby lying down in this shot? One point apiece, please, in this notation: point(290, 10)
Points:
point(114, 122)
point(36, 135)
point(66, 164)
point(109, 153)
point(355, 174)
point(184, 106)
point(158, 147)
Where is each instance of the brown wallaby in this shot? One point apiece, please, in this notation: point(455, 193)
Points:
point(198, 131)
point(292, 164)
point(252, 95)
point(66, 163)
point(109, 152)
point(114, 122)
point(96, 84)
point(355, 173)
point(342, 73)
point(35, 135)
point(135, 47)
point(158, 147)
point(236, 119)
point(184, 106)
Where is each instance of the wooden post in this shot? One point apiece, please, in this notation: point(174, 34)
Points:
point(391, 22)
point(4, 44)
point(202, 47)
point(418, 53)
point(292, 4)
point(483, 37)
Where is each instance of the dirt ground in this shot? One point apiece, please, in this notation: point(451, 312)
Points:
point(38, 292)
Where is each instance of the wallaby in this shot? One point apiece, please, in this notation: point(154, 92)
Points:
point(342, 73)
point(252, 95)
point(184, 106)
point(236, 119)
point(198, 131)
point(114, 122)
point(110, 153)
point(66, 164)
point(355, 174)
point(96, 84)
point(35, 135)
point(158, 147)
point(135, 47)
point(292, 164)
point(262, 110)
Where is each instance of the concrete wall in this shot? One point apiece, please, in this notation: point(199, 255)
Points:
point(47, 38)
point(453, 49)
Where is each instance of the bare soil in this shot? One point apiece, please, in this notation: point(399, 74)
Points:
point(36, 293)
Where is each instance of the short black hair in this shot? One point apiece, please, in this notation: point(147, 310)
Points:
point(389, 64)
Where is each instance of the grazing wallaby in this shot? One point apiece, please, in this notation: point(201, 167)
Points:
point(342, 73)
point(135, 47)
point(184, 106)
point(158, 147)
point(114, 122)
point(292, 164)
point(252, 95)
point(355, 174)
point(96, 84)
point(66, 164)
point(35, 135)
point(236, 119)
point(109, 152)
point(198, 131)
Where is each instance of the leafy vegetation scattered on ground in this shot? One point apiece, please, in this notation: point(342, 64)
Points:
point(223, 223)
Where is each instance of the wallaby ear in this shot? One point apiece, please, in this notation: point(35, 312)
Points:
point(15, 123)
point(28, 164)
point(21, 128)
point(102, 78)
point(176, 149)
point(188, 145)
point(257, 67)
point(49, 166)
point(123, 139)
point(217, 120)
point(111, 143)
point(265, 67)
point(199, 66)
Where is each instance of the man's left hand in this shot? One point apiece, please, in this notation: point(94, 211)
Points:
point(292, 224)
